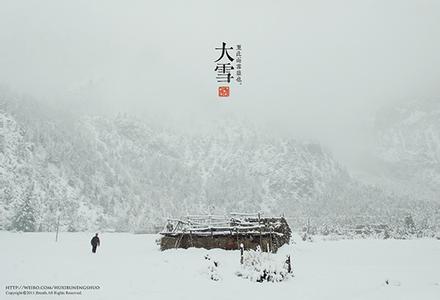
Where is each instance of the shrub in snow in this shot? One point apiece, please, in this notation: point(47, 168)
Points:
point(261, 266)
point(393, 282)
point(306, 237)
point(212, 268)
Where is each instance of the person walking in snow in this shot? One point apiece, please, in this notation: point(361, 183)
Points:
point(95, 243)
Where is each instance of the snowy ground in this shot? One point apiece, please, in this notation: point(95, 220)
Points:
point(130, 266)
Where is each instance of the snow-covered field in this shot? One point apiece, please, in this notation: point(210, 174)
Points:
point(131, 266)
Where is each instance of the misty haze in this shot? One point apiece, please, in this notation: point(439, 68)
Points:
point(111, 122)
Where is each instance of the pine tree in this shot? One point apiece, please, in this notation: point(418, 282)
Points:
point(24, 218)
point(410, 226)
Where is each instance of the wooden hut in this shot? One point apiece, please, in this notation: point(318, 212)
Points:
point(226, 232)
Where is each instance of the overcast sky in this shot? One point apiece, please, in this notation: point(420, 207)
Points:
point(317, 68)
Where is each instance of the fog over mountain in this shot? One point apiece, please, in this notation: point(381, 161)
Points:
point(306, 72)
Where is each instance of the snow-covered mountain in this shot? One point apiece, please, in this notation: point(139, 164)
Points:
point(408, 147)
point(123, 173)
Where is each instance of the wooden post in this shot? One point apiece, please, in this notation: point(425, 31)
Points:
point(179, 239)
point(190, 236)
point(289, 266)
point(58, 228)
point(241, 253)
point(59, 213)
point(259, 225)
point(238, 244)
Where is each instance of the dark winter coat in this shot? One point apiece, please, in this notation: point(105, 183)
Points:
point(95, 241)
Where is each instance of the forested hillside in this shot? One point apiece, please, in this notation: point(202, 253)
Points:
point(122, 173)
